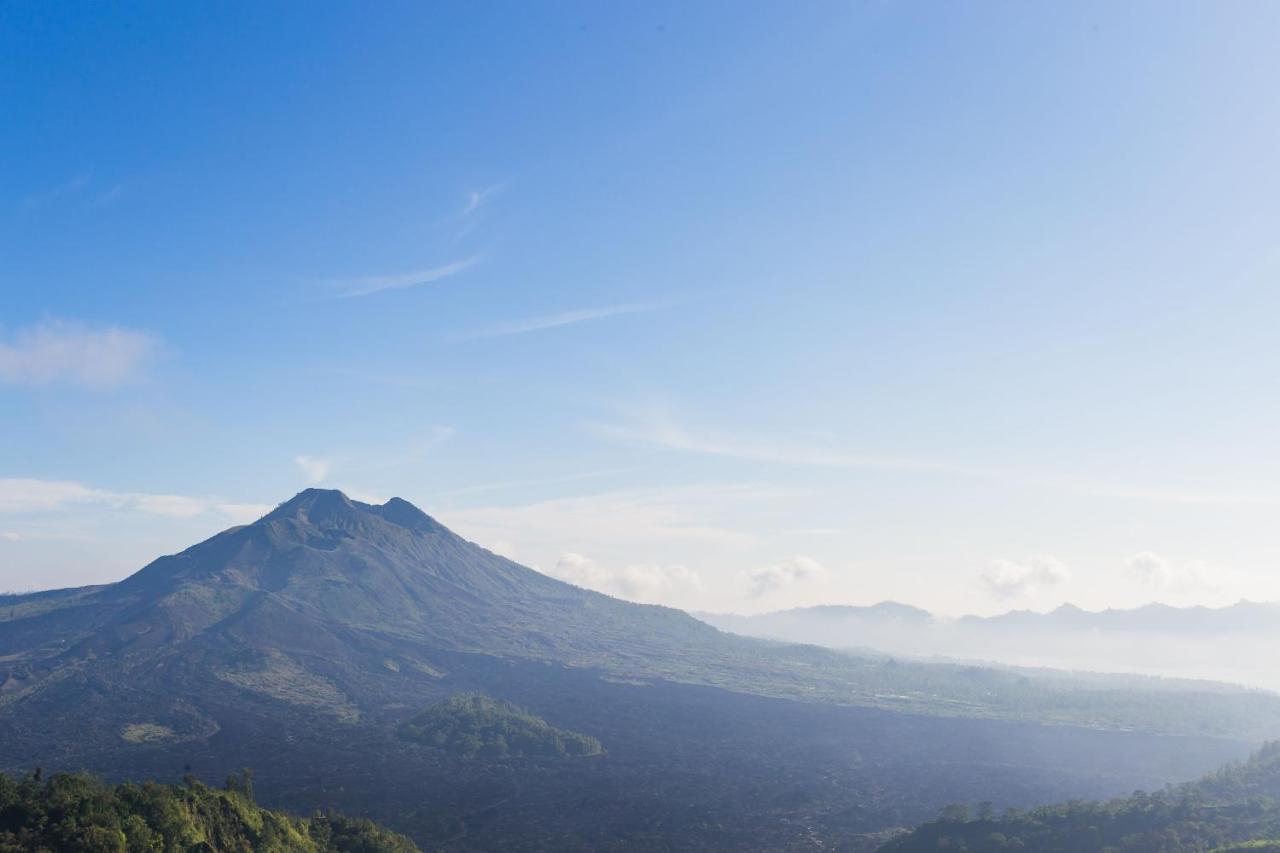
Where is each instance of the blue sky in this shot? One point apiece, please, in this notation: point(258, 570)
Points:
point(722, 305)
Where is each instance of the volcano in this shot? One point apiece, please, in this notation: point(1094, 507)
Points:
point(304, 644)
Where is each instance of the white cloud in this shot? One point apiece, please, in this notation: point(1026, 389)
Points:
point(64, 352)
point(551, 321)
point(785, 575)
point(313, 468)
point(1150, 569)
point(1010, 579)
point(503, 548)
point(1157, 573)
point(366, 285)
point(243, 513)
point(174, 506)
point(649, 583)
point(11, 536)
point(19, 496)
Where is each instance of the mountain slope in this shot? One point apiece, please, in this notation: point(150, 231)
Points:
point(301, 643)
point(343, 609)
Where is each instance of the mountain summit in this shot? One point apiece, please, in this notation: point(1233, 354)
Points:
point(320, 570)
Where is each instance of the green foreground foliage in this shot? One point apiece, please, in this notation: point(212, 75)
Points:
point(1231, 810)
point(80, 812)
point(472, 724)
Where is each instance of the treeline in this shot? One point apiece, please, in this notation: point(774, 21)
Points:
point(471, 724)
point(1233, 809)
point(80, 812)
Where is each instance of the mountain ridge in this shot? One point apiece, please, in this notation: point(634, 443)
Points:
point(300, 643)
point(1222, 644)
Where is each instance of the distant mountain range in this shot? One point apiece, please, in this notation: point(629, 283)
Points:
point(1229, 643)
point(306, 645)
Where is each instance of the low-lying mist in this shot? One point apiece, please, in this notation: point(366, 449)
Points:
point(1234, 644)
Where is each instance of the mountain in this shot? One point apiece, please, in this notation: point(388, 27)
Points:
point(1227, 644)
point(302, 644)
point(888, 626)
point(1232, 809)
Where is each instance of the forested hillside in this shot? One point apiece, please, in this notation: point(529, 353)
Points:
point(1233, 809)
point(472, 724)
point(79, 812)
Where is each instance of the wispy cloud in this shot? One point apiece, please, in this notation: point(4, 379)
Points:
point(108, 197)
point(243, 513)
point(80, 190)
point(63, 352)
point(28, 495)
point(391, 380)
point(23, 496)
point(658, 430)
point(314, 468)
point(508, 485)
point(350, 288)
point(73, 186)
point(409, 454)
point(630, 518)
point(469, 217)
point(552, 321)
point(477, 199)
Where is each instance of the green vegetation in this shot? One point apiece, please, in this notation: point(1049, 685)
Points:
point(1225, 811)
point(470, 724)
point(79, 812)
